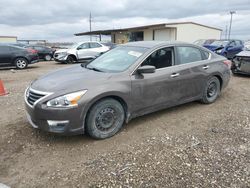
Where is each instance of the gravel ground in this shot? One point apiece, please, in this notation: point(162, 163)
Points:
point(192, 145)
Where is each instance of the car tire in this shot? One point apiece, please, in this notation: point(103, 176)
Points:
point(21, 63)
point(70, 60)
point(47, 57)
point(211, 90)
point(105, 118)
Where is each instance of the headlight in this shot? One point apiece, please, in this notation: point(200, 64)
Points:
point(69, 100)
point(218, 51)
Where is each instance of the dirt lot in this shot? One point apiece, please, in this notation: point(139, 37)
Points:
point(193, 145)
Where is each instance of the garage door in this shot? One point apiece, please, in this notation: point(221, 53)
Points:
point(163, 34)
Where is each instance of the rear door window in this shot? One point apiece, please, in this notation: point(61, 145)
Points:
point(187, 54)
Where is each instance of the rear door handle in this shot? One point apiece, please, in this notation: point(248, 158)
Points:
point(175, 75)
point(205, 67)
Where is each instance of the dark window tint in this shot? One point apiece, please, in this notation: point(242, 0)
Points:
point(160, 58)
point(188, 54)
point(95, 45)
point(4, 49)
point(83, 46)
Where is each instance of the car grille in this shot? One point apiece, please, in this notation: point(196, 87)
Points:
point(33, 96)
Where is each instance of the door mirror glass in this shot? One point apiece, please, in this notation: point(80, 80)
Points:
point(146, 69)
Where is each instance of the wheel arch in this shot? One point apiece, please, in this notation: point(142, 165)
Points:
point(220, 79)
point(73, 56)
point(14, 59)
point(118, 98)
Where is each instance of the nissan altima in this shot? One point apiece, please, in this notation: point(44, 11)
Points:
point(131, 80)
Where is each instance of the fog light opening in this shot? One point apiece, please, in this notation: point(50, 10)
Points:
point(53, 123)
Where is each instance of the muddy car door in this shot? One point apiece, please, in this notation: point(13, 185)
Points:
point(151, 91)
point(193, 66)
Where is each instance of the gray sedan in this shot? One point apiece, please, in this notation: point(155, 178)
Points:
point(129, 81)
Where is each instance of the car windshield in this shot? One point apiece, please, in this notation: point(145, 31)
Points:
point(220, 43)
point(73, 45)
point(200, 42)
point(117, 60)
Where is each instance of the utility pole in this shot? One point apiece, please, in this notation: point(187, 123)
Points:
point(90, 29)
point(226, 32)
point(231, 20)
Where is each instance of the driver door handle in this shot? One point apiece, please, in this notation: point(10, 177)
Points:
point(205, 67)
point(175, 75)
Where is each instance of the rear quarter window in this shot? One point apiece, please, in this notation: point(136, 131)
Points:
point(205, 54)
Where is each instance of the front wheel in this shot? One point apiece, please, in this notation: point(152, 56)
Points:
point(70, 60)
point(211, 90)
point(47, 57)
point(105, 119)
point(21, 63)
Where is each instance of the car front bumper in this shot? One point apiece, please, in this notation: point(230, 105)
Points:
point(60, 57)
point(56, 120)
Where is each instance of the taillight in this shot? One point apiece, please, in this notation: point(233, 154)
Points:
point(228, 63)
point(32, 51)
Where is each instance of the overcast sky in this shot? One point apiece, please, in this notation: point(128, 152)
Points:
point(58, 20)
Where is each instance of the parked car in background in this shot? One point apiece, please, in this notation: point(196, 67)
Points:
point(247, 45)
point(202, 42)
point(111, 45)
point(17, 56)
point(19, 44)
point(227, 48)
point(131, 80)
point(241, 62)
point(45, 53)
point(80, 51)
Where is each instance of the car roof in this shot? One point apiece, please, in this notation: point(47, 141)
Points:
point(14, 46)
point(151, 44)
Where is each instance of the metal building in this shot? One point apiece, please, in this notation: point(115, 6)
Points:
point(181, 31)
point(8, 39)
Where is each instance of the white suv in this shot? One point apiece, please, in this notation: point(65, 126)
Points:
point(80, 51)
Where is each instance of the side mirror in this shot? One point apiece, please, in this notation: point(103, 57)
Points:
point(146, 69)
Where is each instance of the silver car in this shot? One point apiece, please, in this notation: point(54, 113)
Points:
point(129, 81)
point(241, 62)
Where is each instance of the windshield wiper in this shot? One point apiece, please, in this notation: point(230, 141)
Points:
point(93, 68)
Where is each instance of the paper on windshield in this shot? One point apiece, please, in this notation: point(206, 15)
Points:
point(134, 53)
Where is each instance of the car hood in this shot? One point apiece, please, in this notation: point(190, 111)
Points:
point(72, 78)
point(244, 54)
point(212, 47)
point(61, 50)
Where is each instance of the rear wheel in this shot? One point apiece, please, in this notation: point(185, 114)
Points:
point(21, 63)
point(105, 119)
point(211, 90)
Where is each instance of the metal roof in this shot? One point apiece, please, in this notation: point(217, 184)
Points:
point(168, 25)
point(151, 44)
